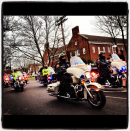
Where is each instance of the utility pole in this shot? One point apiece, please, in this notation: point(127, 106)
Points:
point(59, 22)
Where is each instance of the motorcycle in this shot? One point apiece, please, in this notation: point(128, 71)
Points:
point(117, 73)
point(6, 80)
point(81, 84)
point(48, 79)
point(19, 83)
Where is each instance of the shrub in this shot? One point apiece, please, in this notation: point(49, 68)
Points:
point(84, 60)
point(87, 61)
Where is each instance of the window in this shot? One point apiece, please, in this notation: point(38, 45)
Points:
point(84, 52)
point(98, 49)
point(70, 54)
point(93, 48)
point(78, 52)
point(104, 49)
point(76, 43)
point(108, 49)
point(75, 52)
point(122, 48)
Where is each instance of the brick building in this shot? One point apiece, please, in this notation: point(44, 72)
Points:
point(88, 46)
point(54, 55)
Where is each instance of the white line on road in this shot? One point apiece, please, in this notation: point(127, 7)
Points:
point(116, 91)
point(116, 97)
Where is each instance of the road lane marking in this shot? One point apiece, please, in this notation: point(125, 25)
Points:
point(116, 91)
point(116, 97)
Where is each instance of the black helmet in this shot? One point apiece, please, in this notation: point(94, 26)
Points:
point(101, 52)
point(45, 66)
point(62, 55)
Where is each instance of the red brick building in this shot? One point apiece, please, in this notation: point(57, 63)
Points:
point(54, 55)
point(88, 46)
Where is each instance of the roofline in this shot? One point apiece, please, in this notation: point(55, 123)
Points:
point(83, 36)
point(105, 43)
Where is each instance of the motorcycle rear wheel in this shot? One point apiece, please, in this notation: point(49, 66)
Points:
point(98, 101)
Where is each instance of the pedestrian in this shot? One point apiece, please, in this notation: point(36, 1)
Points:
point(121, 55)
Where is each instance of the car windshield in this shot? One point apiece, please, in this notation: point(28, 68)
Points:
point(76, 61)
point(115, 57)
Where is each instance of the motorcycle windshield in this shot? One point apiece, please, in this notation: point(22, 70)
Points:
point(51, 71)
point(76, 61)
point(115, 57)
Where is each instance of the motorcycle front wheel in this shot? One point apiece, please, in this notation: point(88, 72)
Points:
point(98, 101)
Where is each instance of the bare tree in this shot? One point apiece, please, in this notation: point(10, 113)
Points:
point(112, 26)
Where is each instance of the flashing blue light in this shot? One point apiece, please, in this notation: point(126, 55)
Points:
point(123, 68)
point(51, 78)
point(76, 63)
point(11, 77)
point(119, 70)
point(82, 76)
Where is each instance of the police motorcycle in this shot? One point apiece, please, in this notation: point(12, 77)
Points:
point(83, 88)
point(25, 77)
point(6, 80)
point(47, 79)
point(119, 72)
point(51, 77)
point(19, 83)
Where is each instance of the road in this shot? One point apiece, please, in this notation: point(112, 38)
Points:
point(34, 100)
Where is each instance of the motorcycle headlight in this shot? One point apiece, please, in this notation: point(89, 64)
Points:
point(88, 74)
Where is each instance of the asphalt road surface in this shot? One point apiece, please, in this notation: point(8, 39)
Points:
point(34, 100)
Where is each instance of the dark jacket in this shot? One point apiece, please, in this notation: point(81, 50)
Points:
point(60, 69)
point(122, 57)
point(103, 66)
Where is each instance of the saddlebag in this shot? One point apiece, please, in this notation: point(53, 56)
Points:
point(53, 88)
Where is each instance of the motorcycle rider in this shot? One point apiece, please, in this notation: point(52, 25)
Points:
point(121, 55)
point(14, 74)
point(62, 76)
point(103, 67)
point(45, 72)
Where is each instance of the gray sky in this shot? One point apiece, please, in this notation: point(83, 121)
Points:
point(84, 23)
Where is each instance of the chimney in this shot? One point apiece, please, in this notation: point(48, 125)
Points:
point(75, 30)
point(47, 46)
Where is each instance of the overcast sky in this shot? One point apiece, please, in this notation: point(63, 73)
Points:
point(84, 23)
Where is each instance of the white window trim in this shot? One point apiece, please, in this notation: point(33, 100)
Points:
point(104, 49)
point(93, 48)
point(84, 51)
point(98, 48)
point(109, 50)
point(76, 42)
point(78, 52)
